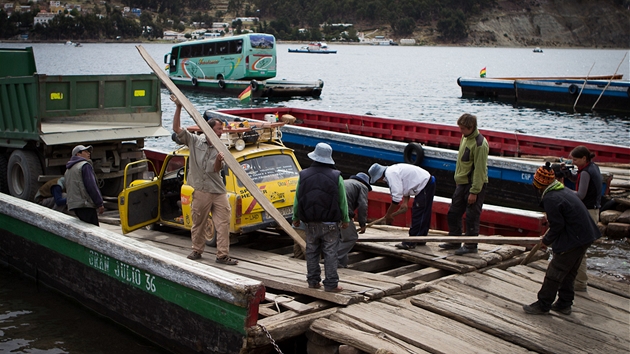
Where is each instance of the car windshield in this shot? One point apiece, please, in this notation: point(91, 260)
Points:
point(269, 168)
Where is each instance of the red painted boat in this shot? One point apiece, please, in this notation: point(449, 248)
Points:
point(495, 220)
point(507, 144)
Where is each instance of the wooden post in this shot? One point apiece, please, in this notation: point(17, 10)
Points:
point(216, 141)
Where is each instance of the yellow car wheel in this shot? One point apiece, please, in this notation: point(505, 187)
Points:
point(211, 235)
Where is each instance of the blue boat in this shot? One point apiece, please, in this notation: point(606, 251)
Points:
point(562, 92)
point(589, 95)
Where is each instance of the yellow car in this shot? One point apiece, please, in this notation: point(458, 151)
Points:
point(166, 199)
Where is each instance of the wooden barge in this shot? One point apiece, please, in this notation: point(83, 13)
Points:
point(422, 300)
point(501, 143)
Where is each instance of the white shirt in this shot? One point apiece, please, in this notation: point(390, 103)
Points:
point(405, 180)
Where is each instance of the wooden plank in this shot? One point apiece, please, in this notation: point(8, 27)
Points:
point(351, 322)
point(240, 173)
point(619, 302)
point(505, 319)
point(342, 333)
point(615, 287)
point(317, 305)
point(426, 274)
point(426, 330)
point(593, 315)
point(288, 302)
point(267, 310)
point(499, 240)
point(281, 330)
point(414, 257)
point(589, 305)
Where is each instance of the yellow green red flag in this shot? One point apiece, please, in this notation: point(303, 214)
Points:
point(482, 73)
point(247, 93)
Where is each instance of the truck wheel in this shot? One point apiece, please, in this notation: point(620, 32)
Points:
point(211, 236)
point(23, 171)
point(4, 187)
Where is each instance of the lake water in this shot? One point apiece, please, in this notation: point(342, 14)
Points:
point(416, 83)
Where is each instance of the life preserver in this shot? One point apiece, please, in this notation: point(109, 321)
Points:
point(222, 84)
point(414, 149)
point(573, 89)
point(194, 81)
point(254, 84)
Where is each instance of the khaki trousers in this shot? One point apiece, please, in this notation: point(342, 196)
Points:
point(581, 279)
point(217, 204)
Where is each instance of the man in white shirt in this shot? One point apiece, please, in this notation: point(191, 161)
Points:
point(406, 181)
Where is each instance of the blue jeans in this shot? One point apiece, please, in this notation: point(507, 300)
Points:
point(322, 238)
point(459, 206)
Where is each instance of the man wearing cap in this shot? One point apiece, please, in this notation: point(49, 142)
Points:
point(320, 202)
point(406, 181)
point(83, 196)
point(357, 188)
point(210, 195)
point(571, 232)
point(471, 178)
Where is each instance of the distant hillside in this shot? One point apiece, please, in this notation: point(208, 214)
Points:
point(545, 23)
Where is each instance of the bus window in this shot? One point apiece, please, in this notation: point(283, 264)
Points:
point(196, 51)
point(222, 48)
point(236, 47)
point(209, 49)
point(185, 51)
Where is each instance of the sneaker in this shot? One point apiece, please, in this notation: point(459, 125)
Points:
point(534, 309)
point(338, 289)
point(405, 246)
point(194, 255)
point(464, 250)
point(315, 286)
point(449, 246)
point(562, 310)
point(227, 260)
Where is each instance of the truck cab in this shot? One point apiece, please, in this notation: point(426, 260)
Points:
point(167, 198)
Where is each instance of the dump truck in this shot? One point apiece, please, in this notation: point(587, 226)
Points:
point(42, 117)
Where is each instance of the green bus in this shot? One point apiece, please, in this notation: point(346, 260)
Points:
point(243, 57)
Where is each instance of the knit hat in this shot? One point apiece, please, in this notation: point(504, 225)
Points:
point(363, 178)
point(322, 154)
point(376, 171)
point(544, 176)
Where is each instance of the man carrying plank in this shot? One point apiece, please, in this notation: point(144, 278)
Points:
point(210, 195)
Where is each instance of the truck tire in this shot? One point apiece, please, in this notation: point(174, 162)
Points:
point(23, 171)
point(414, 154)
point(4, 187)
point(212, 239)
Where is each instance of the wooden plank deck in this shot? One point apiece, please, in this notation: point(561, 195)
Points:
point(421, 300)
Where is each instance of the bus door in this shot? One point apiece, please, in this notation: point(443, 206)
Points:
point(172, 65)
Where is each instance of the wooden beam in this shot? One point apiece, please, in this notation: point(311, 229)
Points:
point(455, 239)
point(218, 144)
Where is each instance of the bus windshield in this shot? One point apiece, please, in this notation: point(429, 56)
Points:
point(243, 57)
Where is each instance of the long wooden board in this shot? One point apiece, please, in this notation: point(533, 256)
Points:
point(228, 158)
point(455, 239)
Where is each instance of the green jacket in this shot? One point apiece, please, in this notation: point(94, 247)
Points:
point(472, 162)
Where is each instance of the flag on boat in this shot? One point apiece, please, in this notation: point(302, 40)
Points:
point(482, 73)
point(247, 93)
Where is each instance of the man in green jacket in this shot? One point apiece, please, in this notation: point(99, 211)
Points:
point(471, 178)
